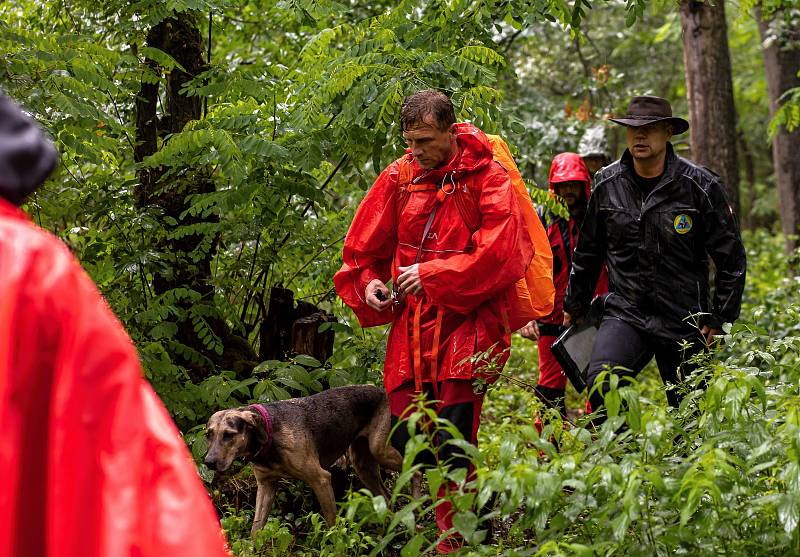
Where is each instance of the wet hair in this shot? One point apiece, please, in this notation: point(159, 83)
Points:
point(428, 102)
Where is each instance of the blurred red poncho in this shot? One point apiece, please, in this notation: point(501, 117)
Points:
point(467, 268)
point(90, 462)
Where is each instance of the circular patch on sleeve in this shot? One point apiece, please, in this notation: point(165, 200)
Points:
point(682, 224)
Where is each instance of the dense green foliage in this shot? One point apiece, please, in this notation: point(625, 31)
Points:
point(296, 107)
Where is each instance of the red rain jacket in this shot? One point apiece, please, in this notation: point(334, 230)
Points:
point(466, 273)
point(91, 464)
point(563, 233)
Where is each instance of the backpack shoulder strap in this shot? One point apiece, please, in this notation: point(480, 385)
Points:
point(563, 228)
point(404, 177)
point(406, 172)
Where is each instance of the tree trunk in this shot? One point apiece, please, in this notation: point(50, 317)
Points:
point(710, 91)
point(189, 256)
point(747, 216)
point(288, 329)
point(782, 63)
point(275, 332)
point(306, 338)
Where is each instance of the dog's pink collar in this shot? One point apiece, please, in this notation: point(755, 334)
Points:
point(264, 413)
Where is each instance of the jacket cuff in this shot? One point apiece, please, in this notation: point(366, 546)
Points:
point(367, 276)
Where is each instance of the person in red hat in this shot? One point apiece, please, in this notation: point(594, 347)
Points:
point(91, 465)
point(657, 221)
point(444, 224)
point(569, 180)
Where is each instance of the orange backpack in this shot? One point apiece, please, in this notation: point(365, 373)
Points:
point(533, 294)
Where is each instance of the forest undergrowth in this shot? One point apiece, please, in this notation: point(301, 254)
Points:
point(720, 475)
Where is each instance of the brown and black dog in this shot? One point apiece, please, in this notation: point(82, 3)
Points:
point(302, 437)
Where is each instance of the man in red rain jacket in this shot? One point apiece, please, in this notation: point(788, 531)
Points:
point(570, 180)
point(90, 463)
point(444, 224)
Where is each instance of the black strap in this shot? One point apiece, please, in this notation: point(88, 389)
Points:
point(563, 228)
point(438, 201)
point(427, 229)
point(551, 329)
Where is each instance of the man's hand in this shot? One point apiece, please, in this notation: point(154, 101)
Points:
point(409, 282)
point(531, 330)
point(710, 334)
point(377, 295)
point(569, 320)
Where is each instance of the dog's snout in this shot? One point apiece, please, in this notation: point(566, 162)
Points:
point(210, 463)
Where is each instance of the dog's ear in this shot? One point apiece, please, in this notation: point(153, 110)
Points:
point(238, 423)
point(248, 418)
point(258, 434)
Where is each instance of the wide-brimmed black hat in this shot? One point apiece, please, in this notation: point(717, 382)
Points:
point(27, 155)
point(648, 109)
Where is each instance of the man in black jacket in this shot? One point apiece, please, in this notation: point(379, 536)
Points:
point(656, 219)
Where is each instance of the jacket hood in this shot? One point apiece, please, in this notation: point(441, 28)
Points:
point(569, 167)
point(475, 149)
point(27, 156)
point(474, 152)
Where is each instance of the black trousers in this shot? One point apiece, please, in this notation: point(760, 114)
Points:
point(619, 344)
point(455, 401)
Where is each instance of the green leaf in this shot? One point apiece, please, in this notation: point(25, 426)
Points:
point(414, 546)
point(306, 360)
point(466, 523)
point(162, 58)
point(789, 511)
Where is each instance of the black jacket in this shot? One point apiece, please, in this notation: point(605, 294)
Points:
point(657, 250)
